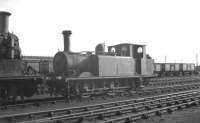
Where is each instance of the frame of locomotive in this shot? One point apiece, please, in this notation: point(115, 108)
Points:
point(71, 87)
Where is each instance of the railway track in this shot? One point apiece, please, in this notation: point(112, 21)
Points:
point(111, 112)
point(146, 114)
point(167, 89)
point(172, 81)
point(150, 91)
point(32, 102)
point(164, 79)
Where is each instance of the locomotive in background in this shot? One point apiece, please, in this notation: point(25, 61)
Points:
point(13, 81)
point(123, 67)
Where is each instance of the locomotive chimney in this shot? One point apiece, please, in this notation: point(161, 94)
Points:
point(4, 22)
point(66, 34)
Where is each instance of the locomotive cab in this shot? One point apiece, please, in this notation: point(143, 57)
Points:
point(143, 64)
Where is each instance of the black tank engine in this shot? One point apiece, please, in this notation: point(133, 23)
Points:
point(123, 66)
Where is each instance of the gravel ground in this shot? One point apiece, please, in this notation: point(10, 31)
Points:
point(189, 115)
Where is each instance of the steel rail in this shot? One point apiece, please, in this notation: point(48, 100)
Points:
point(117, 110)
point(99, 107)
point(145, 114)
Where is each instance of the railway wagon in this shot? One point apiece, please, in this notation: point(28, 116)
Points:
point(121, 68)
point(177, 69)
point(13, 81)
point(158, 68)
point(187, 68)
point(169, 68)
point(164, 69)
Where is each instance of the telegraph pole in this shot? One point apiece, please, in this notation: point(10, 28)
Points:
point(196, 59)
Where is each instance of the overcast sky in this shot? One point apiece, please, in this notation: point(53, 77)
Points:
point(168, 27)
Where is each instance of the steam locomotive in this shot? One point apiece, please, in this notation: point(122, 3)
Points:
point(13, 81)
point(122, 68)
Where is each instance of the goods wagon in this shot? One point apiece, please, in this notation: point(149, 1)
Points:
point(174, 69)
